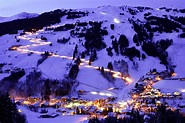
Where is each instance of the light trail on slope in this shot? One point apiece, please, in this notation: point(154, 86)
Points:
point(38, 42)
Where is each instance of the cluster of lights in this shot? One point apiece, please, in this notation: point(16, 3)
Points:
point(101, 93)
point(38, 42)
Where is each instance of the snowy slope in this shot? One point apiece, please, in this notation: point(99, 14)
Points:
point(33, 117)
point(56, 66)
point(21, 15)
point(29, 48)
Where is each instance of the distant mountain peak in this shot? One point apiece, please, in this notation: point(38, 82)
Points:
point(21, 15)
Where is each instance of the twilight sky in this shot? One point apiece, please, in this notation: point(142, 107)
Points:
point(11, 7)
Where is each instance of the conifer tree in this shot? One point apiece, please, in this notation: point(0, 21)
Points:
point(78, 61)
point(109, 66)
point(83, 55)
point(77, 111)
point(9, 112)
point(102, 70)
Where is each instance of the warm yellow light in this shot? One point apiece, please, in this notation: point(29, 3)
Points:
point(174, 74)
point(135, 96)
point(70, 105)
point(128, 79)
point(72, 113)
point(151, 82)
point(101, 108)
point(157, 78)
point(19, 110)
point(26, 102)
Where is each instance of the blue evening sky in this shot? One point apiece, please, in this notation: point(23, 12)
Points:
point(11, 7)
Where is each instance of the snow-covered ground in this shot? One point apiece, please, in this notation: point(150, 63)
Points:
point(56, 66)
point(90, 79)
point(170, 86)
point(33, 117)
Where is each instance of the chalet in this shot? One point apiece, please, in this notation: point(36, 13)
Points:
point(52, 115)
point(181, 105)
point(182, 79)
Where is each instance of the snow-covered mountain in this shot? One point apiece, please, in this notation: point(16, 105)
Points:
point(95, 53)
point(134, 40)
point(22, 15)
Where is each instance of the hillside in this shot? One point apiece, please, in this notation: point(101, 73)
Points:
point(104, 51)
point(143, 27)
